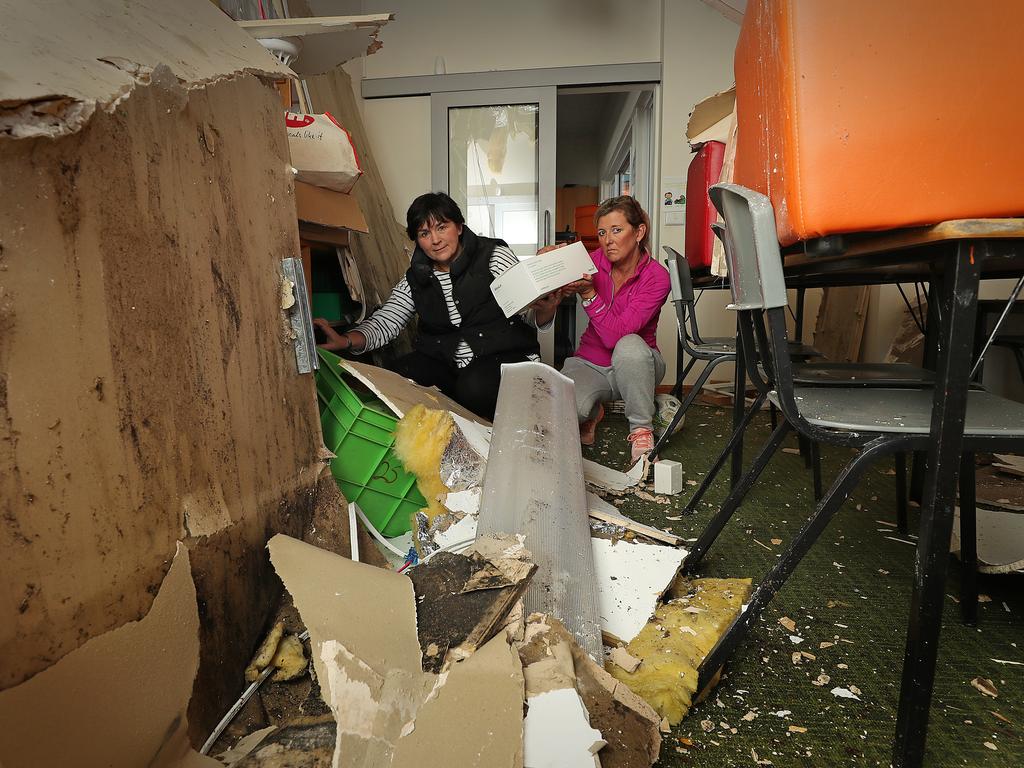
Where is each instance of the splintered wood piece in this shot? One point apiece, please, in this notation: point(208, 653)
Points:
point(450, 618)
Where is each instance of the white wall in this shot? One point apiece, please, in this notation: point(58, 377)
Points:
point(694, 42)
point(697, 53)
point(477, 35)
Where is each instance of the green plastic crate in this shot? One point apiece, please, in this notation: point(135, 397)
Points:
point(327, 304)
point(360, 430)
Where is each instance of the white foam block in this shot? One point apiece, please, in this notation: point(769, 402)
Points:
point(668, 477)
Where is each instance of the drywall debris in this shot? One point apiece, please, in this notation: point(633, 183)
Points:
point(674, 642)
point(622, 659)
point(557, 732)
point(844, 693)
point(462, 602)
point(553, 660)
point(362, 623)
point(986, 686)
point(245, 746)
point(113, 677)
point(631, 577)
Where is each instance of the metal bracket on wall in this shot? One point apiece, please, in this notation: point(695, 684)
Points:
point(300, 315)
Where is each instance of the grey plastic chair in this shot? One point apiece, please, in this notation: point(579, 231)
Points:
point(712, 351)
point(874, 422)
point(879, 375)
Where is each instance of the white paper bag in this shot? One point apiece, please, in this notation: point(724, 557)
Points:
point(322, 151)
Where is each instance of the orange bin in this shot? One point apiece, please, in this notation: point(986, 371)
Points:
point(876, 114)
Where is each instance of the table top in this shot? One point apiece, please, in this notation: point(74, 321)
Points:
point(899, 255)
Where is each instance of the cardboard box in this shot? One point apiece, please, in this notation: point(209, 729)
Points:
point(711, 119)
point(323, 207)
point(531, 278)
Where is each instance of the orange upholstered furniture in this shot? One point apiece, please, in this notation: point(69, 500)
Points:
point(876, 114)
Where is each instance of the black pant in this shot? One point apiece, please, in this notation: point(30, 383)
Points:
point(474, 387)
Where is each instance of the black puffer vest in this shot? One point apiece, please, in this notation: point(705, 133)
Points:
point(484, 326)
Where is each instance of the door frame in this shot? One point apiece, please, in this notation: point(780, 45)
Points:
point(546, 99)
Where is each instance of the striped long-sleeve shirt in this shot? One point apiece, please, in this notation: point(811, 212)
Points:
point(384, 325)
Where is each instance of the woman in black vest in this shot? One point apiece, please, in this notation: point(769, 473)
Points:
point(463, 337)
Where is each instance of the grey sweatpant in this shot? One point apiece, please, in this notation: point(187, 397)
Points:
point(635, 370)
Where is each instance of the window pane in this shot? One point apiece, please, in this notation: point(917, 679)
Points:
point(493, 170)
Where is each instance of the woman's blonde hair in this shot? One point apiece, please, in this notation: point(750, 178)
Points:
point(631, 210)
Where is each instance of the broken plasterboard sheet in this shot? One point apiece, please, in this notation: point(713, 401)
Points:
point(606, 477)
point(376, 692)
point(337, 598)
point(400, 394)
point(710, 118)
point(467, 501)
point(63, 65)
point(462, 601)
point(1000, 537)
point(552, 660)
point(327, 41)
point(475, 718)
point(631, 578)
point(557, 732)
point(100, 697)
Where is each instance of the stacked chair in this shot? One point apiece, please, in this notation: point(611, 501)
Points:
point(873, 421)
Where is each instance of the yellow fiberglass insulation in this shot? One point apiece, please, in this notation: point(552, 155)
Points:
point(673, 643)
point(420, 439)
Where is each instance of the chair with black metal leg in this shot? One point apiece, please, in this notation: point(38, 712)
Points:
point(712, 351)
point(874, 422)
point(880, 375)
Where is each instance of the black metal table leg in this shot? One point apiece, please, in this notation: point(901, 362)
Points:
point(968, 541)
point(738, 401)
point(901, 492)
point(928, 361)
point(958, 305)
point(798, 334)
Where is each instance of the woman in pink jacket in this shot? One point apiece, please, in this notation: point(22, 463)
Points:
point(618, 355)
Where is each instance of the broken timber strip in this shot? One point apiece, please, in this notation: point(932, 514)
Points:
point(616, 518)
point(533, 485)
point(460, 603)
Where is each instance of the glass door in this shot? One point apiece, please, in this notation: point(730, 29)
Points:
point(494, 153)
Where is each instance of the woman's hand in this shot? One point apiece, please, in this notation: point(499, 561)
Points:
point(584, 287)
point(544, 308)
point(336, 342)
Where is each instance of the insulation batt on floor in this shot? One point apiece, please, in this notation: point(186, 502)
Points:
point(673, 643)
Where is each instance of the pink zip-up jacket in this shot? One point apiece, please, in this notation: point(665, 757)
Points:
point(634, 309)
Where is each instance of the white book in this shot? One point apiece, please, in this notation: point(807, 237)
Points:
point(534, 276)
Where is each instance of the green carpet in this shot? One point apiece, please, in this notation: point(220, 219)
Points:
point(852, 590)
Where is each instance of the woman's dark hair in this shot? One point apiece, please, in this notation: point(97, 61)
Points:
point(433, 206)
point(631, 210)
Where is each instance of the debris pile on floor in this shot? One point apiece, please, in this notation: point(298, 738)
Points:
point(448, 662)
